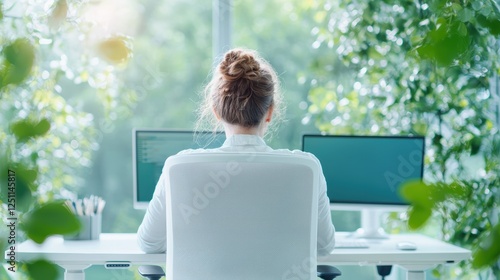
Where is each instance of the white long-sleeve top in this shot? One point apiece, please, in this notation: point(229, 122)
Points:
point(152, 231)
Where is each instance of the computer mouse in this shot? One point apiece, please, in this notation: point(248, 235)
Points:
point(407, 246)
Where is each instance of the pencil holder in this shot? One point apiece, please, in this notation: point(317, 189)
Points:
point(90, 230)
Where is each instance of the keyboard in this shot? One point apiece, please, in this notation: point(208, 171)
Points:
point(351, 244)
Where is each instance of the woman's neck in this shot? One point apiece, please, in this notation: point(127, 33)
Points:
point(232, 129)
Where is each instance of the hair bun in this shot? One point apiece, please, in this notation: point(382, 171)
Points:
point(239, 64)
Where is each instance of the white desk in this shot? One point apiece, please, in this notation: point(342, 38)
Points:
point(76, 256)
point(430, 252)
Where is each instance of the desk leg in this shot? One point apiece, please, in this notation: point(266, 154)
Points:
point(415, 275)
point(74, 271)
point(415, 271)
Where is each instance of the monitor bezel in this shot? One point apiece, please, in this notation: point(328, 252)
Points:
point(357, 205)
point(144, 204)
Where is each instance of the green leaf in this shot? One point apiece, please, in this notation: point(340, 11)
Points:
point(437, 5)
point(465, 15)
point(420, 127)
point(27, 128)
point(417, 193)
point(456, 190)
point(19, 59)
point(475, 145)
point(477, 5)
point(441, 30)
point(456, 7)
point(436, 140)
point(492, 24)
point(462, 29)
point(446, 43)
point(486, 11)
point(488, 252)
point(421, 198)
point(451, 47)
point(42, 270)
point(115, 49)
point(425, 51)
point(49, 219)
point(418, 216)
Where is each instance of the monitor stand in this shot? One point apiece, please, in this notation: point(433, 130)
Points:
point(370, 226)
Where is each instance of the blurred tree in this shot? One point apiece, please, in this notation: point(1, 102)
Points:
point(45, 141)
point(280, 31)
point(161, 86)
point(420, 67)
point(173, 62)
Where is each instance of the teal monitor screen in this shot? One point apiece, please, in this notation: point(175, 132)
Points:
point(152, 147)
point(367, 169)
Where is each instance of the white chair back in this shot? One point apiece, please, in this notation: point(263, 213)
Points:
point(241, 216)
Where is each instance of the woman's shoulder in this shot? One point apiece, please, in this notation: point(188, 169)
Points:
point(298, 153)
point(294, 152)
point(196, 151)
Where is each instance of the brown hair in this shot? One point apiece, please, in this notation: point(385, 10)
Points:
point(243, 88)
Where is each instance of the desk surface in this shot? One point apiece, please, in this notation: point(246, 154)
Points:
point(76, 256)
point(123, 247)
point(109, 247)
point(385, 251)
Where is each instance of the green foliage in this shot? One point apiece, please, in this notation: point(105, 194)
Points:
point(41, 270)
point(489, 250)
point(426, 198)
point(18, 60)
point(422, 68)
point(419, 195)
point(49, 219)
point(446, 43)
point(42, 50)
point(469, 226)
point(26, 129)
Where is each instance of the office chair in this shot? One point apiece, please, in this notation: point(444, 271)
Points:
point(241, 216)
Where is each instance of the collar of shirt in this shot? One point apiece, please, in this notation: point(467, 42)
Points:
point(244, 140)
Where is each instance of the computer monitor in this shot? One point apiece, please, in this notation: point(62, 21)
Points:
point(150, 149)
point(366, 172)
